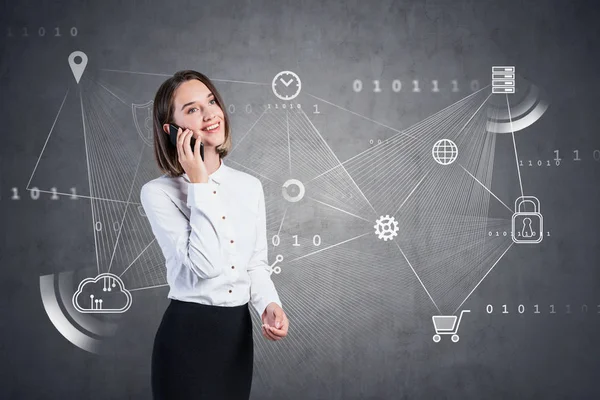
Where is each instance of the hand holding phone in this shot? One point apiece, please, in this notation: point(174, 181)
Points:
point(188, 156)
point(174, 129)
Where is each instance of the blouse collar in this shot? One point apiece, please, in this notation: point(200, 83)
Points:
point(216, 176)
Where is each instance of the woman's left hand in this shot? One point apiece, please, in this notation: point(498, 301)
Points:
point(275, 323)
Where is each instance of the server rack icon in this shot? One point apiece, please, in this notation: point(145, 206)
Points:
point(503, 79)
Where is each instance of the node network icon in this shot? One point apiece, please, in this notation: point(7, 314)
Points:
point(527, 226)
point(273, 268)
point(386, 228)
point(444, 151)
point(286, 85)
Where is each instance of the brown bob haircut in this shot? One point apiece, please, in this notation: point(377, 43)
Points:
point(164, 151)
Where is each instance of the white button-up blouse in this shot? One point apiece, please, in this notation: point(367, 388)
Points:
point(213, 236)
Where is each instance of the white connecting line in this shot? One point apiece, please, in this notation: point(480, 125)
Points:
point(71, 195)
point(514, 145)
point(520, 185)
point(340, 164)
point(410, 265)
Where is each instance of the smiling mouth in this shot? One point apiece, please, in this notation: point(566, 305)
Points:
point(215, 127)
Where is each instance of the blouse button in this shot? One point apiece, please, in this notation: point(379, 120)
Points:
point(223, 217)
point(229, 290)
point(233, 266)
point(214, 192)
point(231, 240)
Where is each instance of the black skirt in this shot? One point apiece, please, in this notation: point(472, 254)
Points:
point(203, 352)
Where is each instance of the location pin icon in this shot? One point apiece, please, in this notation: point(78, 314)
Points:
point(78, 61)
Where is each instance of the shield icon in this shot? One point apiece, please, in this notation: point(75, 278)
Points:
point(142, 118)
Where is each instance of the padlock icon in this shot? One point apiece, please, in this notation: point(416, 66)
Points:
point(527, 226)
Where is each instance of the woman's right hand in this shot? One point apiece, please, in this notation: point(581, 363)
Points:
point(191, 161)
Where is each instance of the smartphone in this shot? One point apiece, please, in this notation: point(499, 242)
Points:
point(174, 129)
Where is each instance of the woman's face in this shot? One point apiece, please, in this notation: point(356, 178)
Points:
point(196, 108)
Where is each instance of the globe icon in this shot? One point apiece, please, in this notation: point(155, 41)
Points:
point(444, 151)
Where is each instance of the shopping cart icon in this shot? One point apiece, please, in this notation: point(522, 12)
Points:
point(446, 325)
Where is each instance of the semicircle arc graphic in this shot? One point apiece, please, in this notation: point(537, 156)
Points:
point(507, 118)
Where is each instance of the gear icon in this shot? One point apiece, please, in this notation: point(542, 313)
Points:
point(384, 229)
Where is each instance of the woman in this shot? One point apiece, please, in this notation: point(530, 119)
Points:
point(209, 220)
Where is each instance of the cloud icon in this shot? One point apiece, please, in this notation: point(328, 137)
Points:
point(105, 293)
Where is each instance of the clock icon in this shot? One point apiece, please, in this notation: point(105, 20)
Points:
point(286, 85)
